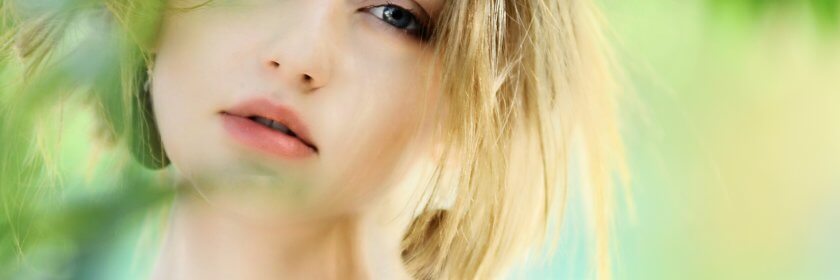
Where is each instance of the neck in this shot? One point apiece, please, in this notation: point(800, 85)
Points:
point(205, 242)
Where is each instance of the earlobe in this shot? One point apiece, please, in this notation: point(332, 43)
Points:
point(436, 164)
point(440, 186)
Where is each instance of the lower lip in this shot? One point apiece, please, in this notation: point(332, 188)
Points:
point(265, 139)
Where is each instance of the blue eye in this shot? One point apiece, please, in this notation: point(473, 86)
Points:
point(400, 18)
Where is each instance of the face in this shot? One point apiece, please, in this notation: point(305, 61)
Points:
point(295, 107)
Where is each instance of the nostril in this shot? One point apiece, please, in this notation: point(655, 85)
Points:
point(274, 64)
point(307, 78)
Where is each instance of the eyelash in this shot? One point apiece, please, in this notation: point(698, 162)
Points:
point(415, 27)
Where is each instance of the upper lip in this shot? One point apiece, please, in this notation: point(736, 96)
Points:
point(268, 109)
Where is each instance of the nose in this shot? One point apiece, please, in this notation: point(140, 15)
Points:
point(298, 75)
point(301, 55)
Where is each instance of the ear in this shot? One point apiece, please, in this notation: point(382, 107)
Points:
point(438, 183)
point(434, 164)
point(446, 188)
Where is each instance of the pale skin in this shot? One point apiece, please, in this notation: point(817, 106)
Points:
point(353, 77)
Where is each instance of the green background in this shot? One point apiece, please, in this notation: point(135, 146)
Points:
point(730, 117)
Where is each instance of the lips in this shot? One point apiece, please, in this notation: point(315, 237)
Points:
point(269, 127)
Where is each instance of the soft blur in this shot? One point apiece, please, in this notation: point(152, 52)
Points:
point(732, 127)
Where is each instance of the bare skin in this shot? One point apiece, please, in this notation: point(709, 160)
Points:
point(352, 73)
point(207, 243)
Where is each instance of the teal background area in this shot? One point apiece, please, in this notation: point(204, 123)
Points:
point(730, 114)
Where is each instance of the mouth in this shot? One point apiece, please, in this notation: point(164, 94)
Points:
point(275, 125)
point(269, 127)
point(279, 127)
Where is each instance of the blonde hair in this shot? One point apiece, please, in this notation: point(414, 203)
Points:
point(523, 79)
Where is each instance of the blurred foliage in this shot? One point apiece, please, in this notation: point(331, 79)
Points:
point(825, 12)
point(69, 190)
point(732, 137)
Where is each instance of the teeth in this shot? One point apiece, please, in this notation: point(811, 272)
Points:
point(273, 125)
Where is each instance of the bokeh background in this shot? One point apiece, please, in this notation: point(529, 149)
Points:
point(732, 128)
point(731, 120)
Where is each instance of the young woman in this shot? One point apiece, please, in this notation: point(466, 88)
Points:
point(401, 139)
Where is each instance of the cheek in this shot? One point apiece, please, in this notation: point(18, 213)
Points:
point(181, 120)
point(181, 109)
point(368, 121)
point(191, 86)
point(378, 129)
